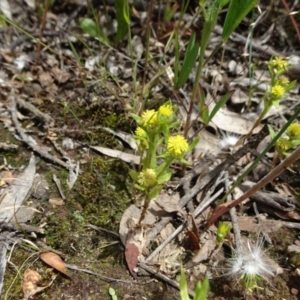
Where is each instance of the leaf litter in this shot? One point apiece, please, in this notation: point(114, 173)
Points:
point(52, 80)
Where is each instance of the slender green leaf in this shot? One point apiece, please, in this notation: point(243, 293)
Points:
point(201, 290)
point(123, 19)
point(193, 144)
point(169, 12)
point(134, 175)
point(263, 153)
point(126, 12)
point(184, 295)
point(237, 10)
point(272, 132)
point(177, 58)
point(164, 178)
point(90, 27)
point(188, 61)
point(219, 104)
point(155, 191)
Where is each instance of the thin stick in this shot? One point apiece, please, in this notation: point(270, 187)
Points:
point(220, 210)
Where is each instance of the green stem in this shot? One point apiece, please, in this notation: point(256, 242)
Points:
point(168, 162)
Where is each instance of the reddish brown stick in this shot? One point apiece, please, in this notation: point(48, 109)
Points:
point(223, 208)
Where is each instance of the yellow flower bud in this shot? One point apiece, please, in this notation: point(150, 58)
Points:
point(177, 146)
point(165, 113)
point(293, 130)
point(283, 144)
point(277, 91)
point(142, 137)
point(149, 117)
point(283, 80)
point(147, 178)
point(140, 132)
point(278, 63)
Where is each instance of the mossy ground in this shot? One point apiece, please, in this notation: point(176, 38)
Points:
point(101, 194)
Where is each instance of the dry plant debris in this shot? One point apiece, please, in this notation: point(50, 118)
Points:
point(69, 102)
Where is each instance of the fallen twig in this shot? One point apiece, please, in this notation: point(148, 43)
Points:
point(221, 209)
point(25, 138)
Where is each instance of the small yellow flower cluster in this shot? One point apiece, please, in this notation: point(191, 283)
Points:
point(283, 81)
point(283, 144)
point(277, 91)
point(223, 230)
point(147, 178)
point(142, 136)
point(279, 64)
point(165, 113)
point(140, 132)
point(149, 117)
point(293, 130)
point(177, 146)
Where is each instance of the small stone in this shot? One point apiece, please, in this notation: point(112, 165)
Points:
point(294, 291)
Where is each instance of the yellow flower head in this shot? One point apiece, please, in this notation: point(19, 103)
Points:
point(177, 146)
point(283, 80)
point(277, 91)
point(223, 230)
point(149, 118)
point(293, 130)
point(147, 178)
point(279, 64)
point(165, 113)
point(283, 144)
point(140, 132)
point(142, 136)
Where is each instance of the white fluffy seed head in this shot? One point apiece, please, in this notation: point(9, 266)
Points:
point(252, 262)
point(228, 140)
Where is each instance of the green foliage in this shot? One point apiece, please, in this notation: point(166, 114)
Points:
point(263, 153)
point(158, 149)
point(206, 118)
point(288, 141)
point(169, 12)
point(93, 29)
point(123, 19)
point(188, 62)
point(112, 293)
point(201, 289)
point(237, 10)
point(279, 86)
point(222, 231)
point(156, 143)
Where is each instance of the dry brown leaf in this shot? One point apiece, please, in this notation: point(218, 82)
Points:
point(131, 255)
point(54, 261)
point(45, 79)
point(134, 245)
point(30, 283)
point(191, 239)
point(60, 75)
point(56, 201)
point(169, 203)
point(7, 177)
point(264, 225)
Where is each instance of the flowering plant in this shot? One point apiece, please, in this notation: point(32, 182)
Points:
point(251, 265)
point(279, 86)
point(289, 140)
point(158, 149)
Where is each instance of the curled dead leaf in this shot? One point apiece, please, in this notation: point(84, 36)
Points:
point(54, 261)
point(30, 283)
